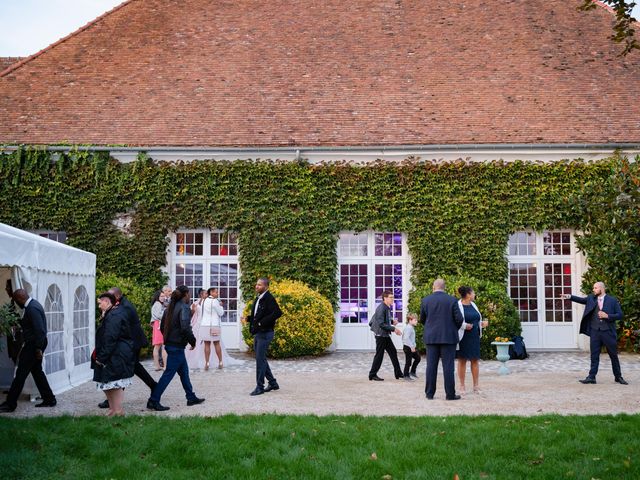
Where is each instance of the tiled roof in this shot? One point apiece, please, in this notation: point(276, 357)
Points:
point(328, 73)
point(5, 62)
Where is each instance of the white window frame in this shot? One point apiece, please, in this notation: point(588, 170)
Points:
point(539, 259)
point(372, 260)
point(52, 235)
point(206, 260)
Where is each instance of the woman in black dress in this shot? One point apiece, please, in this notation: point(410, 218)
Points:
point(470, 333)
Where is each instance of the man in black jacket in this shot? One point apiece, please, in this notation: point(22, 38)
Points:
point(34, 331)
point(382, 327)
point(139, 339)
point(262, 320)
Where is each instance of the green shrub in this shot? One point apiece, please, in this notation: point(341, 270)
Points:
point(306, 325)
point(139, 295)
point(493, 303)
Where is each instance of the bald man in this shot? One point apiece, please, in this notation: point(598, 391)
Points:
point(441, 317)
point(599, 323)
point(34, 331)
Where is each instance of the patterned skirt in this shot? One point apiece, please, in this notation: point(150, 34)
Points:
point(122, 383)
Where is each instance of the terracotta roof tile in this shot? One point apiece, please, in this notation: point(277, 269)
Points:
point(363, 72)
point(6, 62)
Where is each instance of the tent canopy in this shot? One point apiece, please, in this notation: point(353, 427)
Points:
point(23, 249)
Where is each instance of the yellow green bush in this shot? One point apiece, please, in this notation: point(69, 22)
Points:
point(307, 323)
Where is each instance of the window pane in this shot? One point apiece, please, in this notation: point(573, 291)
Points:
point(523, 297)
point(557, 243)
point(353, 245)
point(558, 277)
point(189, 244)
point(224, 244)
point(54, 359)
point(522, 243)
point(191, 275)
point(80, 326)
point(221, 275)
point(353, 301)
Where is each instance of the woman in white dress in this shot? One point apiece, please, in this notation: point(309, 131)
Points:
point(210, 326)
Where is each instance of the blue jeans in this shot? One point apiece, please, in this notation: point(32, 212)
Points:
point(176, 363)
point(261, 342)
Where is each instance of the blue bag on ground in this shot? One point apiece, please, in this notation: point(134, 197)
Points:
point(518, 351)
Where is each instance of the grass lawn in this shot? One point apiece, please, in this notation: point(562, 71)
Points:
point(309, 447)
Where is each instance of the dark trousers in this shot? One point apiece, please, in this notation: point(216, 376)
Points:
point(385, 344)
point(607, 338)
point(29, 364)
point(176, 363)
point(409, 357)
point(446, 352)
point(261, 342)
point(142, 373)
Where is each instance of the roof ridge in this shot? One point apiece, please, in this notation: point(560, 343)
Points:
point(27, 59)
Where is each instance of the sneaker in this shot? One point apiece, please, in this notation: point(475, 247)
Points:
point(413, 375)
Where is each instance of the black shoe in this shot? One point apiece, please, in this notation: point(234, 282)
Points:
point(257, 391)
point(621, 381)
point(104, 404)
point(151, 405)
point(376, 378)
point(429, 397)
point(413, 375)
point(49, 403)
point(455, 397)
point(195, 401)
point(271, 387)
point(6, 408)
point(588, 380)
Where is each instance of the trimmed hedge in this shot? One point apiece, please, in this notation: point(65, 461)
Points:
point(307, 323)
point(492, 301)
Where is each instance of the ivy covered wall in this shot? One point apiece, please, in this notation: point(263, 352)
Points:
point(457, 216)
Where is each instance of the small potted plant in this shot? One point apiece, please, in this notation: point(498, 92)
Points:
point(502, 346)
point(9, 320)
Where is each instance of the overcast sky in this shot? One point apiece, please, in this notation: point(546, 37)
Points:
point(28, 26)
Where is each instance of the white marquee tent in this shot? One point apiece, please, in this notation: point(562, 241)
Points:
point(62, 279)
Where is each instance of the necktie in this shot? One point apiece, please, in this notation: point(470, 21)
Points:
point(600, 302)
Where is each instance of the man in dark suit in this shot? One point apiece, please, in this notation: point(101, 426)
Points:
point(262, 320)
point(440, 315)
point(383, 327)
point(599, 324)
point(139, 339)
point(34, 331)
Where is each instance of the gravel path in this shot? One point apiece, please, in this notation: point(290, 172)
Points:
point(337, 383)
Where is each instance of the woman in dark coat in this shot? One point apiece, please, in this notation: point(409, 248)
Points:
point(114, 357)
point(176, 331)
